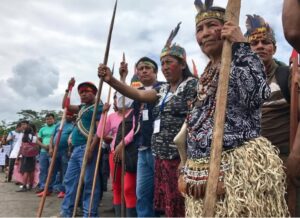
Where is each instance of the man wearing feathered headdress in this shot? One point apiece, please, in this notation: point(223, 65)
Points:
point(276, 110)
point(249, 183)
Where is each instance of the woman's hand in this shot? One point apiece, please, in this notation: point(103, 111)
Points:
point(106, 107)
point(181, 185)
point(104, 72)
point(118, 153)
point(232, 32)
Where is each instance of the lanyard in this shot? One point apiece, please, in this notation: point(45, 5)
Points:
point(161, 108)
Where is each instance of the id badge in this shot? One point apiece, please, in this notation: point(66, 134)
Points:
point(145, 115)
point(156, 126)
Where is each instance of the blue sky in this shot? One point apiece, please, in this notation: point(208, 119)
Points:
point(45, 43)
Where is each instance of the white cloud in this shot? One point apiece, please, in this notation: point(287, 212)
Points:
point(71, 36)
point(34, 78)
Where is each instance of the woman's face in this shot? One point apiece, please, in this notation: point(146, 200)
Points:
point(208, 34)
point(265, 48)
point(171, 68)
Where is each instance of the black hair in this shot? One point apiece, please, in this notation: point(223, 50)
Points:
point(27, 132)
point(50, 115)
point(24, 122)
point(19, 124)
point(186, 71)
point(33, 127)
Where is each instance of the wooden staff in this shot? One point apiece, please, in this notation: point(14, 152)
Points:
point(294, 119)
point(50, 171)
point(123, 151)
point(92, 126)
point(117, 163)
point(100, 149)
point(232, 14)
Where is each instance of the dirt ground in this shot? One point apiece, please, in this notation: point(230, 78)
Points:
point(25, 204)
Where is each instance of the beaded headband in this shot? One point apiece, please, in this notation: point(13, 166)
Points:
point(207, 11)
point(147, 63)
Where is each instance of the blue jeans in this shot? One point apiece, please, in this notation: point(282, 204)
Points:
point(61, 164)
point(71, 182)
point(145, 184)
point(44, 161)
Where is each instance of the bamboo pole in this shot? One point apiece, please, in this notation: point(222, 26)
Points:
point(232, 14)
point(50, 170)
point(100, 151)
point(294, 119)
point(123, 151)
point(92, 126)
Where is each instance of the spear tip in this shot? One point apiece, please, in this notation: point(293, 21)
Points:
point(123, 57)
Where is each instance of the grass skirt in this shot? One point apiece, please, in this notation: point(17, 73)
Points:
point(254, 184)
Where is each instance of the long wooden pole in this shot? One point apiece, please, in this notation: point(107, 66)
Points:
point(232, 14)
point(100, 151)
point(92, 126)
point(123, 152)
point(294, 119)
point(50, 170)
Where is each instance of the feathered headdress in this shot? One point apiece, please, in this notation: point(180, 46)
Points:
point(174, 50)
point(206, 11)
point(257, 28)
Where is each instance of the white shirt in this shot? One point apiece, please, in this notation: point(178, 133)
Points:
point(17, 139)
point(14, 153)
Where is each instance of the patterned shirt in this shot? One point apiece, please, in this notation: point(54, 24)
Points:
point(246, 92)
point(172, 114)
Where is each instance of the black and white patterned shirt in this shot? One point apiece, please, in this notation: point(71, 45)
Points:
point(172, 116)
point(246, 93)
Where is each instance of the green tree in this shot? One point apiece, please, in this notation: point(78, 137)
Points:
point(36, 117)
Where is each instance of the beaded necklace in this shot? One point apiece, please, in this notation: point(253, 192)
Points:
point(207, 85)
point(206, 93)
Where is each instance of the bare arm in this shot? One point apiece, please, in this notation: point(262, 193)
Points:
point(51, 146)
point(130, 92)
point(291, 22)
point(39, 142)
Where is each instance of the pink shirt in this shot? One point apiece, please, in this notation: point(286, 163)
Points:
point(111, 127)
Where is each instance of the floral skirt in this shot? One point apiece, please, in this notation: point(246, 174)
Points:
point(252, 178)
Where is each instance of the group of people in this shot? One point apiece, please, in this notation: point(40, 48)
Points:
point(252, 178)
point(43, 141)
point(165, 178)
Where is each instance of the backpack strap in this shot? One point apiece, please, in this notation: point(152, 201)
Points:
point(282, 74)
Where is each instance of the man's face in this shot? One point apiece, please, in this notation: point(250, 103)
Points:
point(208, 34)
point(50, 120)
point(87, 96)
point(146, 74)
point(264, 47)
point(69, 118)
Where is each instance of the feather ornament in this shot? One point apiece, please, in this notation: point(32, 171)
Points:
point(254, 22)
point(172, 35)
point(203, 7)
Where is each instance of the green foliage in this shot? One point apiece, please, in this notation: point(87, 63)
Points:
point(3, 128)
